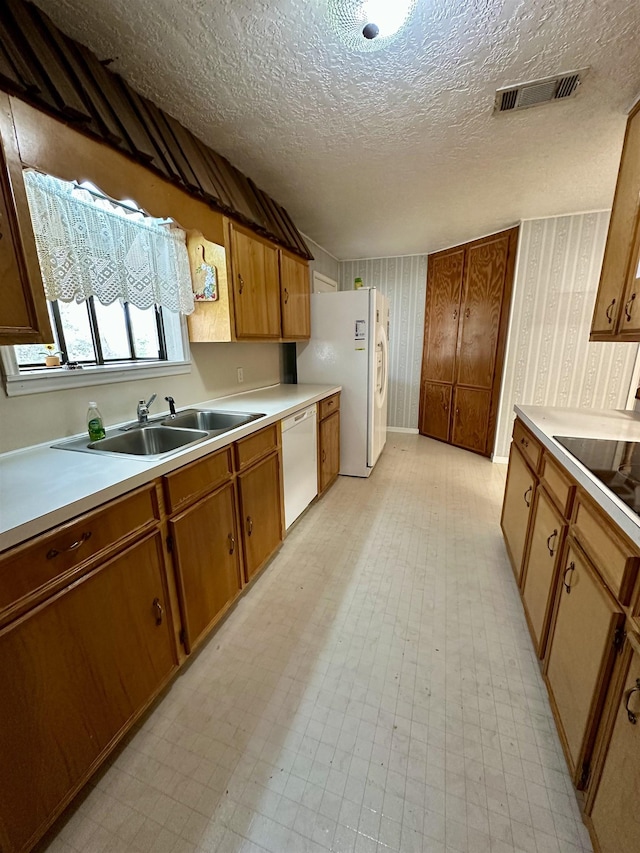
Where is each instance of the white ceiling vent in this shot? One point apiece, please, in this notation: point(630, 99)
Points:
point(526, 95)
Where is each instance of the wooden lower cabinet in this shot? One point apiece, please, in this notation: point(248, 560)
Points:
point(581, 651)
point(261, 512)
point(544, 548)
point(328, 451)
point(76, 671)
point(206, 555)
point(518, 498)
point(470, 421)
point(613, 807)
point(435, 410)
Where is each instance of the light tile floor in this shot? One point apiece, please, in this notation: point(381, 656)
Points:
point(375, 691)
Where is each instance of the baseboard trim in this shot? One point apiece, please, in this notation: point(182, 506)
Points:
point(501, 459)
point(411, 431)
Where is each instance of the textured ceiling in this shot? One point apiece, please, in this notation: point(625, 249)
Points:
point(394, 152)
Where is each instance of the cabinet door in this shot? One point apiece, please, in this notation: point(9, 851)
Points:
point(484, 281)
point(295, 297)
point(629, 322)
point(329, 451)
point(435, 409)
point(23, 308)
point(470, 420)
point(540, 566)
point(256, 286)
point(206, 557)
point(75, 672)
point(615, 812)
point(261, 512)
point(581, 650)
point(609, 315)
point(518, 497)
point(444, 287)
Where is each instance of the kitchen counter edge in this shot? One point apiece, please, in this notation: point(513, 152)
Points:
point(42, 487)
point(615, 424)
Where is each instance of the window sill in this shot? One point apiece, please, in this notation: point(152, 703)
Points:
point(57, 379)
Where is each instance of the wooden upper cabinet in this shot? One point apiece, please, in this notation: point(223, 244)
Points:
point(295, 295)
point(617, 311)
point(23, 309)
point(444, 289)
point(481, 303)
point(255, 285)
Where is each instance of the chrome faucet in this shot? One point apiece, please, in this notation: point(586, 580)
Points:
point(143, 409)
point(172, 406)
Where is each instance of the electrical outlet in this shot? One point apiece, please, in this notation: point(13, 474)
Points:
point(240, 376)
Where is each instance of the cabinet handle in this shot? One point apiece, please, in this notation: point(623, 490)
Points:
point(286, 296)
point(241, 283)
point(570, 568)
point(445, 406)
point(551, 550)
point(159, 611)
point(627, 309)
point(530, 489)
point(467, 313)
point(73, 547)
point(633, 717)
point(249, 525)
point(455, 313)
point(232, 543)
point(324, 455)
point(524, 442)
point(608, 311)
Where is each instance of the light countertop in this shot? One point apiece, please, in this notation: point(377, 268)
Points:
point(614, 424)
point(42, 487)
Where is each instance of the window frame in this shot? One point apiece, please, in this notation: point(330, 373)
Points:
point(37, 380)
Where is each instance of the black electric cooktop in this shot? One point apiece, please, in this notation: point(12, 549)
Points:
point(615, 463)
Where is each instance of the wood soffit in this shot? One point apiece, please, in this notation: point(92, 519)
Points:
point(45, 68)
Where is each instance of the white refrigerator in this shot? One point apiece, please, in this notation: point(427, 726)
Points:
point(349, 347)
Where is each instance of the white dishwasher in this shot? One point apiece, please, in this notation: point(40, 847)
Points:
point(300, 462)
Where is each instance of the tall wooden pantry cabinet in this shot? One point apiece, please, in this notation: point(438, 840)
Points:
point(467, 309)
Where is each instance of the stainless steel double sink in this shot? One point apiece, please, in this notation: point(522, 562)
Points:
point(164, 435)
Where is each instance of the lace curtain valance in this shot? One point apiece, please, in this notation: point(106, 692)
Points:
point(87, 250)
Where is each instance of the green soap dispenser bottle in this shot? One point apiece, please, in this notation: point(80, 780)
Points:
point(95, 424)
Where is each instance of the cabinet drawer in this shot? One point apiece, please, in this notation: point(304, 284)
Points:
point(527, 444)
point(255, 446)
point(558, 483)
point(30, 571)
point(198, 478)
point(328, 406)
point(616, 561)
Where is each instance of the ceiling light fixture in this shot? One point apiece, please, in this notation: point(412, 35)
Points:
point(368, 25)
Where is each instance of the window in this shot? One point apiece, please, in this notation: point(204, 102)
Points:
point(92, 333)
point(117, 282)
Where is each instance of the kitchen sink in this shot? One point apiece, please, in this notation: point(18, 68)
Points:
point(149, 442)
point(211, 420)
point(163, 435)
point(154, 441)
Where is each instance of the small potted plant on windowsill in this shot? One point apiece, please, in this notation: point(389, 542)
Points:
point(52, 356)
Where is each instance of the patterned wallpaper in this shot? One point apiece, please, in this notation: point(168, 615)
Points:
point(549, 360)
point(322, 261)
point(403, 280)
